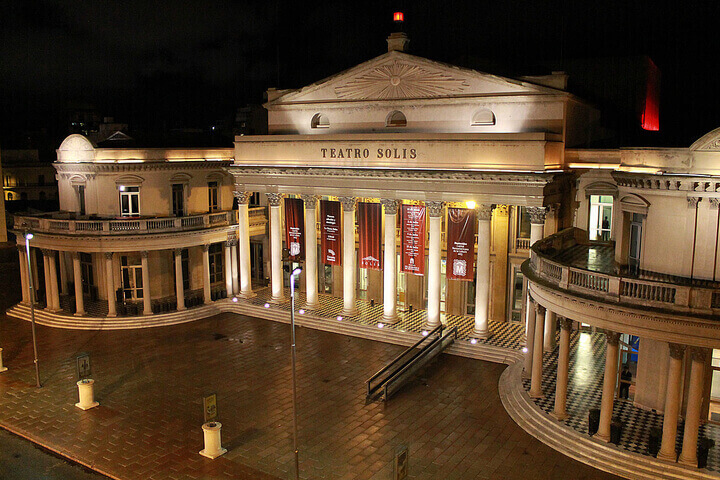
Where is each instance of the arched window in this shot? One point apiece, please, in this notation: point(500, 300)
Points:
point(484, 116)
point(396, 119)
point(10, 196)
point(320, 121)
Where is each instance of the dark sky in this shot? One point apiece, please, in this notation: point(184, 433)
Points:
point(191, 63)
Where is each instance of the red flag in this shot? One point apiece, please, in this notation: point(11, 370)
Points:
point(461, 226)
point(295, 228)
point(330, 232)
point(413, 239)
point(369, 221)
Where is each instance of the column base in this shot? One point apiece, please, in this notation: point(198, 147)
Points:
point(603, 437)
point(87, 407)
point(667, 457)
point(180, 309)
point(390, 319)
point(248, 294)
point(560, 416)
point(350, 313)
point(536, 395)
point(148, 313)
point(277, 300)
point(53, 310)
point(213, 455)
point(112, 315)
point(483, 334)
point(79, 314)
point(3, 369)
point(690, 462)
point(312, 306)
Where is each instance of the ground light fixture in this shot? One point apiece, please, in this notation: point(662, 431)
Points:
point(339, 318)
point(473, 341)
point(292, 360)
point(235, 299)
point(524, 350)
point(29, 236)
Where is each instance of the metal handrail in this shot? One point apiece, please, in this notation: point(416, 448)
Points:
point(399, 357)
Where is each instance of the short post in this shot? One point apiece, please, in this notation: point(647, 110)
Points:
point(213, 447)
point(2, 368)
point(85, 392)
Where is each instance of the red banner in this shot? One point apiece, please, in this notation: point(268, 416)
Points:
point(461, 226)
point(330, 233)
point(295, 229)
point(369, 221)
point(413, 239)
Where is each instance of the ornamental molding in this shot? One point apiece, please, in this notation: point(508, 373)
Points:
point(100, 168)
point(537, 215)
point(566, 323)
point(108, 255)
point(243, 198)
point(484, 212)
point(400, 79)
point(692, 202)
point(435, 209)
point(391, 206)
point(501, 210)
point(698, 354)
point(274, 199)
point(309, 200)
point(666, 182)
point(348, 203)
point(540, 310)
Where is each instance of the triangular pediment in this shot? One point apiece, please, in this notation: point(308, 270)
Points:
point(398, 75)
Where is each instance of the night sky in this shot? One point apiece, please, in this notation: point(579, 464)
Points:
point(170, 64)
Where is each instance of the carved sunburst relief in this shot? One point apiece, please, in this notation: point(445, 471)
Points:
point(400, 80)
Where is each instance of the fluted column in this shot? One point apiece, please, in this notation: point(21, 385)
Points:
point(537, 366)
point(234, 266)
point(110, 284)
point(276, 272)
point(537, 223)
point(349, 260)
point(482, 280)
point(435, 210)
point(24, 276)
point(51, 288)
point(672, 404)
point(228, 268)
point(529, 337)
point(243, 199)
point(609, 384)
point(390, 262)
point(560, 411)
point(550, 331)
point(179, 288)
point(311, 274)
point(207, 298)
point(145, 270)
point(77, 280)
point(688, 455)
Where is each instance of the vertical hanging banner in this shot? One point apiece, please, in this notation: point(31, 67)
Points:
point(295, 229)
point(461, 226)
point(413, 239)
point(330, 233)
point(369, 222)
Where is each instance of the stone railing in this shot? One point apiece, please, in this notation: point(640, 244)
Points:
point(522, 244)
point(683, 295)
point(54, 223)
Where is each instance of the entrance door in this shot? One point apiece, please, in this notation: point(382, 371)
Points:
point(86, 273)
point(635, 241)
point(131, 278)
point(178, 199)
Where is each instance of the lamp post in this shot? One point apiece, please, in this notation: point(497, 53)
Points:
point(28, 237)
point(292, 356)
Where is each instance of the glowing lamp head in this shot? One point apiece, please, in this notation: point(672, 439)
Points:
point(29, 236)
point(234, 299)
point(398, 17)
point(122, 188)
point(470, 204)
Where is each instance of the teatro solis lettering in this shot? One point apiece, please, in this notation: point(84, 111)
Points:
point(356, 153)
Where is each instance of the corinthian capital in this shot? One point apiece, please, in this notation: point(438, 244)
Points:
point(435, 209)
point(242, 197)
point(274, 199)
point(310, 201)
point(484, 211)
point(348, 203)
point(391, 206)
point(537, 215)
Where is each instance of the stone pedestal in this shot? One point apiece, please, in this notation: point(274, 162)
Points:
point(213, 446)
point(86, 394)
point(2, 368)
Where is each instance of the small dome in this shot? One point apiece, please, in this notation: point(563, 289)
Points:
point(76, 148)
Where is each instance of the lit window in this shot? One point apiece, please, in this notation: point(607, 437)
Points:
point(319, 121)
point(484, 116)
point(601, 210)
point(396, 119)
point(129, 201)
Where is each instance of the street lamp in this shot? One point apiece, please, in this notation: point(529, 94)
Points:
point(292, 356)
point(28, 237)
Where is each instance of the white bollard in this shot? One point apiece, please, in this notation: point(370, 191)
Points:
point(2, 369)
point(85, 391)
point(213, 447)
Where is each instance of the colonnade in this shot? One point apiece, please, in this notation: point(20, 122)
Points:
point(673, 398)
point(435, 210)
point(53, 289)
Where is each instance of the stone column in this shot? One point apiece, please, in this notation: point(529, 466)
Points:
point(311, 274)
point(435, 210)
point(147, 298)
point(482, 280)
point(77, 279)
point(537, 358)
point(207, 298)
point(51, 292)
point(688, 455)
point(110, 284)
point(63, 273)
point(529, 337)
point(349, 261)
point(550, 330)
point(609, 384)
point(24, 277)
point(179, 288)
point(54, 282)
point(537, 223)
point(672, 404)
point(560, 411)
point(243, 199)
point(390, 262)
point(228, 269)
point(276, 270)
point(234, 266)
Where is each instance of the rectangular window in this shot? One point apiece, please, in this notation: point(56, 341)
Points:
point(215, 253)
point(601, 210)
point(178, 200)
point(131, 270)
point(516, 295)
point(255, 199)
point(81, 199)
point(523, 223)
point(129, 201)
point(213, 204)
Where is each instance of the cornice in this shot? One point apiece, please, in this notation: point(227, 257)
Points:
point(70, 168)
point(683, 183)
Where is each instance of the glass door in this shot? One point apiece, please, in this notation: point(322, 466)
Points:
point(131, 279)
point(635, 242)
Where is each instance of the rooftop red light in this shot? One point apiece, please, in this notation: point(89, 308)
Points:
point(398, 16)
